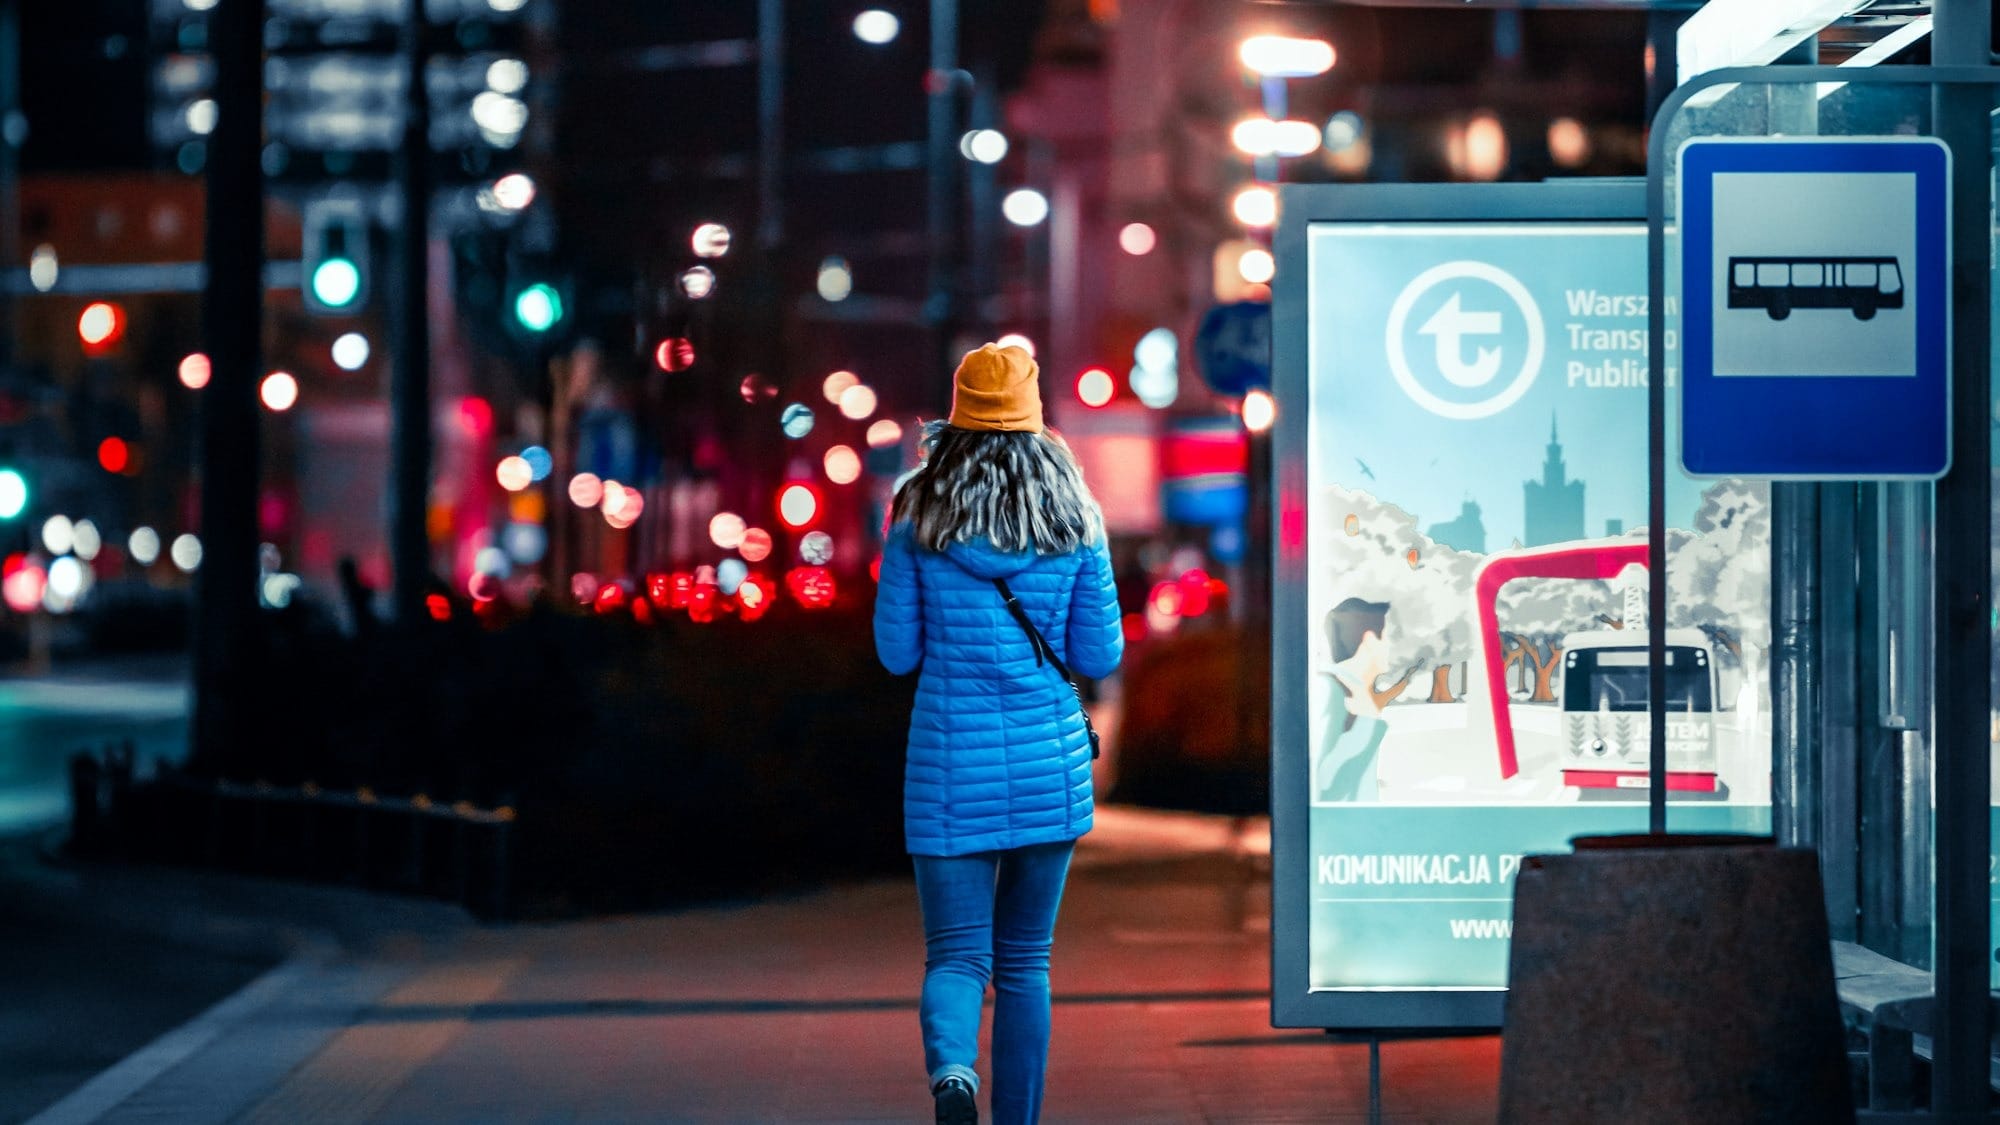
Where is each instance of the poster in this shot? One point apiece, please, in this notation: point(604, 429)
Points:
point(1477, 422)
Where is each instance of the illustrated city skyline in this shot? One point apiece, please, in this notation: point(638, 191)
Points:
point(1553, 508)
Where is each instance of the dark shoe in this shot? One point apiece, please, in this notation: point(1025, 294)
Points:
point(954, 1103)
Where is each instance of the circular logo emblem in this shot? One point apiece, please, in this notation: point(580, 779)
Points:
point(1468, 336)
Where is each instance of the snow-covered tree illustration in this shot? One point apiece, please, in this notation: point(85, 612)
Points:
point(1718, 577)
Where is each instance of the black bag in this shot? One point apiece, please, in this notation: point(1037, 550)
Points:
point(1044, 653)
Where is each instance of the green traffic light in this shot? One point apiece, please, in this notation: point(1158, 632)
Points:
point(13, 494)
point(538, 307)
point(336, 282)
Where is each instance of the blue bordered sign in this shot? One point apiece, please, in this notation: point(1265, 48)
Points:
point(1816, 308)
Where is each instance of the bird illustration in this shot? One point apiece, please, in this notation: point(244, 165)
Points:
point(1365, 470)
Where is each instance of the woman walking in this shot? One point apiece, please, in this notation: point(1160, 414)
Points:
point(996, 583)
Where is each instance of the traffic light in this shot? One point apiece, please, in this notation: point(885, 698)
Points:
point(334, 257)
point(538, 307)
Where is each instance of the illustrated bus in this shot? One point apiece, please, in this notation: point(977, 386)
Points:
point(1607, 736)
point(1605, 727)
point(1779, 285)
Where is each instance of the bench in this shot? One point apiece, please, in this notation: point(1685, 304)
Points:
point(1895, 1005)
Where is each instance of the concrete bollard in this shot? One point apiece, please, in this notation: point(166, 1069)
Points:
point(1672, 979)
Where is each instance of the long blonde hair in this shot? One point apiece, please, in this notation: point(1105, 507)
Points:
point(1020, 491)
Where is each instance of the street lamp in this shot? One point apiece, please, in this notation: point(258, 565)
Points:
point(1281, 56)
point(876, 27)
point(1262, 136)
point(1025, 207)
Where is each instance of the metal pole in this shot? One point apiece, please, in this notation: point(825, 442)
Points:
point(13, 131)
point(983, 190)
point(226, 610)
point(770, 124)
point(941, 308)
point(410, 377)
point(1963, 959)
point(1794, 662)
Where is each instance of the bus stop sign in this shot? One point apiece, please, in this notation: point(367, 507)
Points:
point(1816, 308)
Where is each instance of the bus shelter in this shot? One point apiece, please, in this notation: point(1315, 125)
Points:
point(1493, 395)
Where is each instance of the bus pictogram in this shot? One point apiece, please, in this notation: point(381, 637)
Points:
point(1860, 285)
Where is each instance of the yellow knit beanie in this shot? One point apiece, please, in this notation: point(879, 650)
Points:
point(996, 389)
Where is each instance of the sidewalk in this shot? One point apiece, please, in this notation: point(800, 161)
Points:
point(792, 1009)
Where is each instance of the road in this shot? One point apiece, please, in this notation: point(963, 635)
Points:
point(45, 719)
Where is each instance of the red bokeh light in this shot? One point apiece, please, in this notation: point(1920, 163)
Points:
point(1166, 599)
point(610, 598)
point(674, 354)
point(101, 325)
point(1135, 628)
point(754, 596)
point(642, 611)
point(114, 454)
point(439, 607)
point(812, 586)
point(703, 603)
point(1195, 588)
point(799, 506)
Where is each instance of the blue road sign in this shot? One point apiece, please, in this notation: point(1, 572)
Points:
point(1816, 289)
point(1233, 346)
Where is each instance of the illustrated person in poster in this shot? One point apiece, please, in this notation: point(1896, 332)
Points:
point(1353, 725)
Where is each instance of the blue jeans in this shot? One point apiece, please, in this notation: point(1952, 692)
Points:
point(991, 916)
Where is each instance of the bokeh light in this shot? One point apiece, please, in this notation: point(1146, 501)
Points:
point(675, 353)
point(514, 473)
point(842, 464)
point(279, 391)
point(86, 540)
point(837, 383)
point(186, 552)
point(1569, 142)
point(798, 506)
point(710, 240)
point(729, 574)
point(143, 545)
point(514, 191)
point(100, 323)
point(58, 535)
point(797, 420)
point(540, 464)
point(1255, 206)
point(13, 493)
point(876, 27)
point(1259, 411)
point(1256, 266)
point(350, 351)
point(194, 371)
point(755, 387)
point(857, 402)
point(1016, 340)
point(756, 545)
point(586, 490)
point(836, 281)
point(1137, 239)
point(1025, 207)
point(816, 548)
point(113, 455)
point(698, 282)
point(23, 588)
point(884, 432)
point(1095, 387)
point(985, 146)
point(726, 530)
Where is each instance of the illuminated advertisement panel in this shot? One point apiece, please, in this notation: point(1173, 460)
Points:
point(1460, 634)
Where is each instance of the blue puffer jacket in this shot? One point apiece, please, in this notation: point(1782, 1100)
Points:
point(998, 757)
